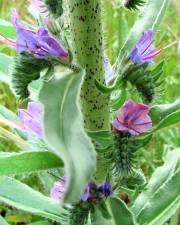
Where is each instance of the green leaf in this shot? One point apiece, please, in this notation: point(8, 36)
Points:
point(7, 114)
point(2, 221)
point(150, 17)
point(14, 138)
point(163, 204)
point(64, 132)
point(7, 29)
point(169, 120)
point(98, 219)
point(103, 88)
point(26, 162)
point(159, 112)
point(118, 100)
point(34, 89)
point(103, 138)
point(157, 71)
point(159, 177)
point(5, 64)
point(120, 212)
point(40, 223)
point(20, 196)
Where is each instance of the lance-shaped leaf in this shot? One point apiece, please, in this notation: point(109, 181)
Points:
point(7, 114)
point(169, 120)
point(7, 29)
point(150, 17)
point(5, 64)
point(27, 162)
point(14, 138)
point(98, 219)
point(158, 179)
point(40, 223)
point(2, 221)
point(160, 112)
point(64, 133)
point(163, 204)
point(20, 196)
point(121, 215)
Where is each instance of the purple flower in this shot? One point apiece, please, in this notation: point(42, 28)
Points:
point(105, 189)
point(144, 51)
point(58, 189)
point(133, 117)
point(30, 119)
point(38, 43)
point(90, 188)
point(92, 192)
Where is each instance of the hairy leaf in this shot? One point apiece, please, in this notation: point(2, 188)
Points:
point(120, 212)
point(5, 64)
point(98, 219)
point(7, 114)
point(64, 133)
point(7, 29)
point(20, 196)
point(159, 112)
point(169, 120)
point(42, 222)
point(2, 221)
point(163, 204)
point(159, 177)
point(26, 162)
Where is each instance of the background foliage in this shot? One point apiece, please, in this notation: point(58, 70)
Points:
point(117, 24)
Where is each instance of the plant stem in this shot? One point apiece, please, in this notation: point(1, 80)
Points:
point(87, 46)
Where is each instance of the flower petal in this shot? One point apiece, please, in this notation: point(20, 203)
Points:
point(144, 51)
point(133, 117)
point(57, 191)
point(30, 119)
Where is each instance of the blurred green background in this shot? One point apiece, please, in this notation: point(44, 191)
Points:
point(117, 23)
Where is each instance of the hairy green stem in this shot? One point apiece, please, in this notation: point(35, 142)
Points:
point(87, 45)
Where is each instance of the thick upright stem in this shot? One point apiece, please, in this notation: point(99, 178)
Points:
point(86, 32)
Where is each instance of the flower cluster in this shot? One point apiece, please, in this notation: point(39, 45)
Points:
point(133, 118)
point(40, 44)
point(144, 51)
point(91, 193)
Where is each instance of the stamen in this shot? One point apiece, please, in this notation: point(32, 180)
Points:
point(134, 130)
point(7, 41)
point(142, 123)
point(152, 55)
point(147, 47)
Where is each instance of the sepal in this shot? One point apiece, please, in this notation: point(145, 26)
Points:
point(25, 69)
point(146, 81)
point(133, 4)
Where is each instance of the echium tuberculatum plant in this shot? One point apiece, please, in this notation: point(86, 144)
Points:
point(83, 121)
